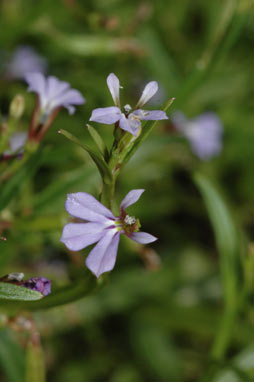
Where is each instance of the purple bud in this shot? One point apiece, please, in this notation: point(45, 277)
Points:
point(39, 284)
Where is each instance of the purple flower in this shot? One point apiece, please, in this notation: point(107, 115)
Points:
point(128, 121)
point(53, 93)
point(101, 227)
point(25, 60)
point(40, 284)
point(204, 133)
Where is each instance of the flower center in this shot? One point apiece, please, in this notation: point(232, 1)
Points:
point(128, 224)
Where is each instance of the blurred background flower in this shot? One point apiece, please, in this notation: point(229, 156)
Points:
point(25, 60)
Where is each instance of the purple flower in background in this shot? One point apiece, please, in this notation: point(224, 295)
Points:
point(128, 121)
point(204, 133)
point(39, 284)
point(53, 93)
point(101, 227)
point(16, 143)
point(25, 60)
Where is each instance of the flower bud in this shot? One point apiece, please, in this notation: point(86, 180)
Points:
point(17, 107)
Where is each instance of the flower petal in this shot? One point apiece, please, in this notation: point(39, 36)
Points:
point(150, 89)
point(204, 134)
point(25, 60)
point(102, 258)
point(55, 87)
point(150, 115)
point(142, 237)
point(85, 206)
point(37, 83)
point(69, 98)
point(77, 236)
point(107, 115)
point(129, 124)
point(114, 86)
point(131, 198)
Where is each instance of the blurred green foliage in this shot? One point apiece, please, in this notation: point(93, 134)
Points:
point(161, 310)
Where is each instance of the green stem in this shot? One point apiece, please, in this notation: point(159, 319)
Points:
point(108, 193)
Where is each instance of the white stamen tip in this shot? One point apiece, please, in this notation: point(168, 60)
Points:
point(129, 220)
point(127, 108)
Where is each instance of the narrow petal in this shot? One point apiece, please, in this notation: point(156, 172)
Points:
point(77, 236)
point(70, 97)
point(205, 135)
point(37, 83)
point(85, 206)
point(131, 198)
point(107, 115)
point(102, 258)
point(114, 86)
point(129, 124)
point(149, 91)
point(142, 237)
point(153, 115)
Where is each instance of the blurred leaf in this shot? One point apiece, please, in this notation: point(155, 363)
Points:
point(35, 367)
point(11, 358)
point(52, 195)
point(10, 291)
point(226, 236)
point(10, 188)
point(85, 45)
point(154, 348)
point(159, 61)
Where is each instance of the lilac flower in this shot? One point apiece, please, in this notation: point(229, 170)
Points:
point(53, 93)
point(128, 121)
point(25, 60)
point(101, 227)
point(204, 133)
point(39, 284)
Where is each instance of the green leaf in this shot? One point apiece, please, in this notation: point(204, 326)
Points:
point(226, 236)
point(19, 293)
point(98, 141)
point(98, 160)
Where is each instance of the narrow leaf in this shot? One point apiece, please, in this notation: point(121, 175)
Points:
point(98, 141)
point(225, 233)
point(98, 160)
point(15, 292)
